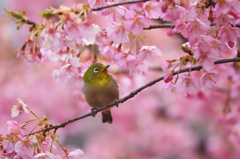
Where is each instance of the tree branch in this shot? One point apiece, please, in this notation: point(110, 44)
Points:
point(166, 25)
point(131, 95)
point(117, 4)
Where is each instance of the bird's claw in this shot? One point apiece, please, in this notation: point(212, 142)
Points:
point(93, 112)
point(115, 101)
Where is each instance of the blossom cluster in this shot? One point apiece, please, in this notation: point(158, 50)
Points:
point(16, 145)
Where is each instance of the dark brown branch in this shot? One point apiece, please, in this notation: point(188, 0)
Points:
point(166, 25)
point(31, 23)
point(117, 4)
point(131, 95)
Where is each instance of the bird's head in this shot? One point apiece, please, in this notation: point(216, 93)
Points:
point(96, 72)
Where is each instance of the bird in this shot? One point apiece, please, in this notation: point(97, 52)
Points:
point(100, 89)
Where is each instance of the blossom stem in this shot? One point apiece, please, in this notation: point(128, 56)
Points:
point(178, 73)
point(190, 70)
point(52, 145)
point(30, 122)
point(34, 114)
point(32, 130)
point(176, 66)
point(59, 22)
point(66, 57)
point(62, 147)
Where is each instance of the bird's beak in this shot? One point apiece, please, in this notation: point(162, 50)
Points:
point(105, 68)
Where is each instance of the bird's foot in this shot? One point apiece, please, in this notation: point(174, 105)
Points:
point(115, 101)
point(93, 112)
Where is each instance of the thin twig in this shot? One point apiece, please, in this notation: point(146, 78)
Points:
point(117, 4)
point(166, 25)
point(131, 95)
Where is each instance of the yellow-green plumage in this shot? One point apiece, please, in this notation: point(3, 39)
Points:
point(100, 89)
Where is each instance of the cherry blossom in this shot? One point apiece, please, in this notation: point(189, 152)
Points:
point(52, 37)
point(24, 148)
point(186, 85)
point(152, 9)
point(146, 52)
point(74, 154)
point(182, 28)
point(20, 108)
point(168, 77)
point(14, 127)
point(169, 86)
point(68, 70)
point(228, 33)
point(118, 33)
point(8, 146)
point(208, 79)
point(47, 155)
point(165, 64)
point(173, 13)
point(206, 57)
point(135, 23)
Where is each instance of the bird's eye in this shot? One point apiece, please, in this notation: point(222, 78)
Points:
point(95, 70)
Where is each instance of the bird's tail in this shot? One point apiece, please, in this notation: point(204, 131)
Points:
point(107, 117)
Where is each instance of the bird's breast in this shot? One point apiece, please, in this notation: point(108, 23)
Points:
point(100, 94)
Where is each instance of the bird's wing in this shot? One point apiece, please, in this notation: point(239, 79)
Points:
point(114, 80)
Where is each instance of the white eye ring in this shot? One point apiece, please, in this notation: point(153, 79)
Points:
point(96, 70)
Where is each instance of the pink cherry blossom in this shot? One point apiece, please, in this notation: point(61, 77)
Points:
point(109, 52)
point(218, 45)
point(168, 77)
point(47, 155)
point(74, 154)
point(173, 13)
point(96, 3)
point(80, 31)
point(182, 28)
point(126, 60)
point(20, 108)
point(118, 33)
point(152, 9)
point(228, 33)
point(115, 13)
point(46, 143)
point(50, 55)
point(186, 84)
point(89, 31)
point(52, 37)
point(102, 40)
point(169, 86)
point(146, 52)
point(67, 71)
point(72, 27)
point(8, 146)
point(206, 57)
point(141, 68)
point(208, 79)
point(24, 148)
point(135, 23)
point(195, 29)
point(15, 128)
point(165, 64)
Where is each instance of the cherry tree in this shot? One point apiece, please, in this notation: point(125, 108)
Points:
point(176, 63)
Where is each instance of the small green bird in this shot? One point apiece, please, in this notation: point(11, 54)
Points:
point(100, 89)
